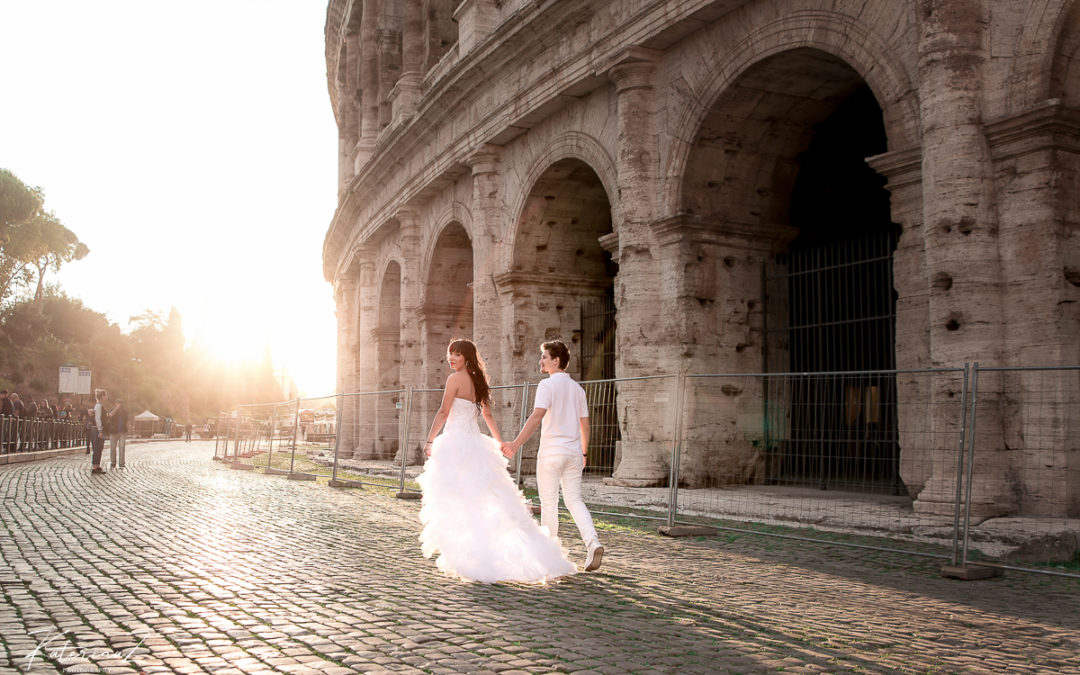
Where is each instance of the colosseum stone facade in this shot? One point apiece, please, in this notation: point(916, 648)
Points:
point(506, 164)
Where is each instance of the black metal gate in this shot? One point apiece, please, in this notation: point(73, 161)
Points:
point(598, 364)
point(833, 312)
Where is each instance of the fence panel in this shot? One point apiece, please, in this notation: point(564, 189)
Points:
point(826, 455)
point(1022, 494)
point(371, 442)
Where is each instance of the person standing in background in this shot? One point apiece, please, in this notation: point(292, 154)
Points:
point(100, 416)
point(118, 433)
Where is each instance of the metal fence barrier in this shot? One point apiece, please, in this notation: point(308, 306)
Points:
point(29, 434)
point(928, 462)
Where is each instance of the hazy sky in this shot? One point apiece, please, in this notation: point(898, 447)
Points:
point(192, 147)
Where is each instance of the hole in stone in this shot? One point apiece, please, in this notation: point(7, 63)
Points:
point(729, 261)
point(1072, 275)
point(541, 247)
point(579, 252)
point(711, 184)
point(952, 324)
point(750, 304)
point(550, 223)
point(740, 347)
point(573, 221)
point(942, 281)
point(549, 198)
point(966, 226)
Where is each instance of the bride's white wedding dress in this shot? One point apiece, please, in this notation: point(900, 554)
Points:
point(473, 514)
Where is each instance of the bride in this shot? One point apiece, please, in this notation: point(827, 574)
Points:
point(473, 514)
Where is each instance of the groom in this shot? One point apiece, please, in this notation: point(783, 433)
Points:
point(560, 407)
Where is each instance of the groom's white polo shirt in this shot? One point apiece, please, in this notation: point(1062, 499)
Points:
point(564, 400)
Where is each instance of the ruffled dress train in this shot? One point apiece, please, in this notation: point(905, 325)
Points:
point(474, 517)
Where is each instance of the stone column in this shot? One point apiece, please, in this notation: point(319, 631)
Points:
point(350, 93)
point(367, 351)
point(1037, 164)
point(962, 262)
point(389, 57)
point(644, 344)
point(345, 299)
point(489, 215)
point(902, 170)
point(412, 354)
point(713, 273)
point(369, 84)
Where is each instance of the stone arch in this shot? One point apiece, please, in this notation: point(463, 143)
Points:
point(448, 297)
point(777, 185)
point(832, 33)
point(562, 279)
point(568, 145)
point(1046, 51)
point(1064, 80)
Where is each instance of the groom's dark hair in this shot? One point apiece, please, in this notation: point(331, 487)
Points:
point(559, 351)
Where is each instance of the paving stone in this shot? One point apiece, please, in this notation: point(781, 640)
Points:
point(195, 568)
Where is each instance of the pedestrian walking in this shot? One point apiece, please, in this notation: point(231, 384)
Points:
point(474, 516)
point(560, 410)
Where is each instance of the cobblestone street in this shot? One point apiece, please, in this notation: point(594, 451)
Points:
point(180, 564)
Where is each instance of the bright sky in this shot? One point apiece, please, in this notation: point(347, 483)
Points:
point(192, 147)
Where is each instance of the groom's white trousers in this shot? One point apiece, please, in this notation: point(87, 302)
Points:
point(565, 470)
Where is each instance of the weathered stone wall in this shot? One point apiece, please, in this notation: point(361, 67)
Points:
point(497, 153)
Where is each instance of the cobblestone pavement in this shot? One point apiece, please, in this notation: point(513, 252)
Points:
point(179, 564)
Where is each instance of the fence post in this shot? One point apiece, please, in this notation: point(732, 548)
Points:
point(960, 462)
point(523, 417)
point(296, 424)
point(405, 439)
point(970, 457)
point(676, 449)
point(337, 434)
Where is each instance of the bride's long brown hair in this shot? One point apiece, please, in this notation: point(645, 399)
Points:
point(474, 366)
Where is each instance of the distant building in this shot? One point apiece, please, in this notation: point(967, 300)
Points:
point(716, 186)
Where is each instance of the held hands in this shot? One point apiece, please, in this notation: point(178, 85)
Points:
point(508, 449)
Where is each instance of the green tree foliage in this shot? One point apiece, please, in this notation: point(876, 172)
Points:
point(18, 203)
point(149, 367)
point(33, 240)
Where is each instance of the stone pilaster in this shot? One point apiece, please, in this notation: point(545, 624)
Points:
point(1036, 157)
point(366, 353)
point(960, 231)
point(902, 170)
point(412, 353)
point(345, 300)
point(489, 214)
point(475, 19)
point(369, 85)
point(643, 337)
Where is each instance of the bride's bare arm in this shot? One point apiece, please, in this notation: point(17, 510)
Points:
point(492, 427)
point(449, 394)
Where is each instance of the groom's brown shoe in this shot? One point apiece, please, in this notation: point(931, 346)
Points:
point(596, 554)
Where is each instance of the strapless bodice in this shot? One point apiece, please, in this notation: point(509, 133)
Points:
point(463, 417)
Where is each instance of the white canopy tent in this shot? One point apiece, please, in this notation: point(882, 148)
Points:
point(147, 424)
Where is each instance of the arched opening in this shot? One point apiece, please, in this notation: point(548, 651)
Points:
point(389, 331)
point(563, 277)
point(448, 300)
point(782, 155)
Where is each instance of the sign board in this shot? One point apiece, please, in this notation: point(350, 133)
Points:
point(69, 380)
point(84, 381)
